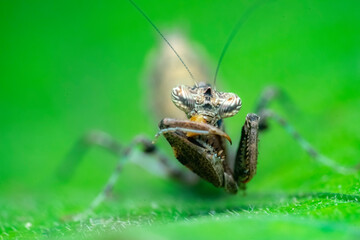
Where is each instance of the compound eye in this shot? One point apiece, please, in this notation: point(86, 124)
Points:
point(183, 98)
point(230, 105)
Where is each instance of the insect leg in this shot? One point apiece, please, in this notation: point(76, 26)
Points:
point(104, 140)
point(246, 156)
point(265, 114)
point(267, 96)
point(168, 169)
point(82, 146)
point(174, 129)
point(304, 144)
point(172, 125)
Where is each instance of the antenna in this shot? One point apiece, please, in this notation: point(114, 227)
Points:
point(235, 30)
point(163, 37)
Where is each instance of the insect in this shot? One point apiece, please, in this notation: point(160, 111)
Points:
point(200, 141)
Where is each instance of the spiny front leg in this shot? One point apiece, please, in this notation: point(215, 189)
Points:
point(172, 125)
point(247, 154)
point(204, 153)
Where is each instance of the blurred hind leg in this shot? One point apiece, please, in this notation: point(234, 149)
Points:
point(104, 140)
point(110, 144)
point(265, 114)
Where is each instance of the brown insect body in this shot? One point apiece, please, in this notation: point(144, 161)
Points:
point(204, 153)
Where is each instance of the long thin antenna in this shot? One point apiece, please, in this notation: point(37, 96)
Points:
point(163, 37)
point(235, 30)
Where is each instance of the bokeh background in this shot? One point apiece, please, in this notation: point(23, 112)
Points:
point(71, 66)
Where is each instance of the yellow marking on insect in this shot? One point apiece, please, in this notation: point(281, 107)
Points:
point(201, 119)
point(196, 118)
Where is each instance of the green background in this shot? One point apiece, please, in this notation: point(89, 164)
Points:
point(68, 67)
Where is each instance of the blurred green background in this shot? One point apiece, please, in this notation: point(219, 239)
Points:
point(71, 66)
